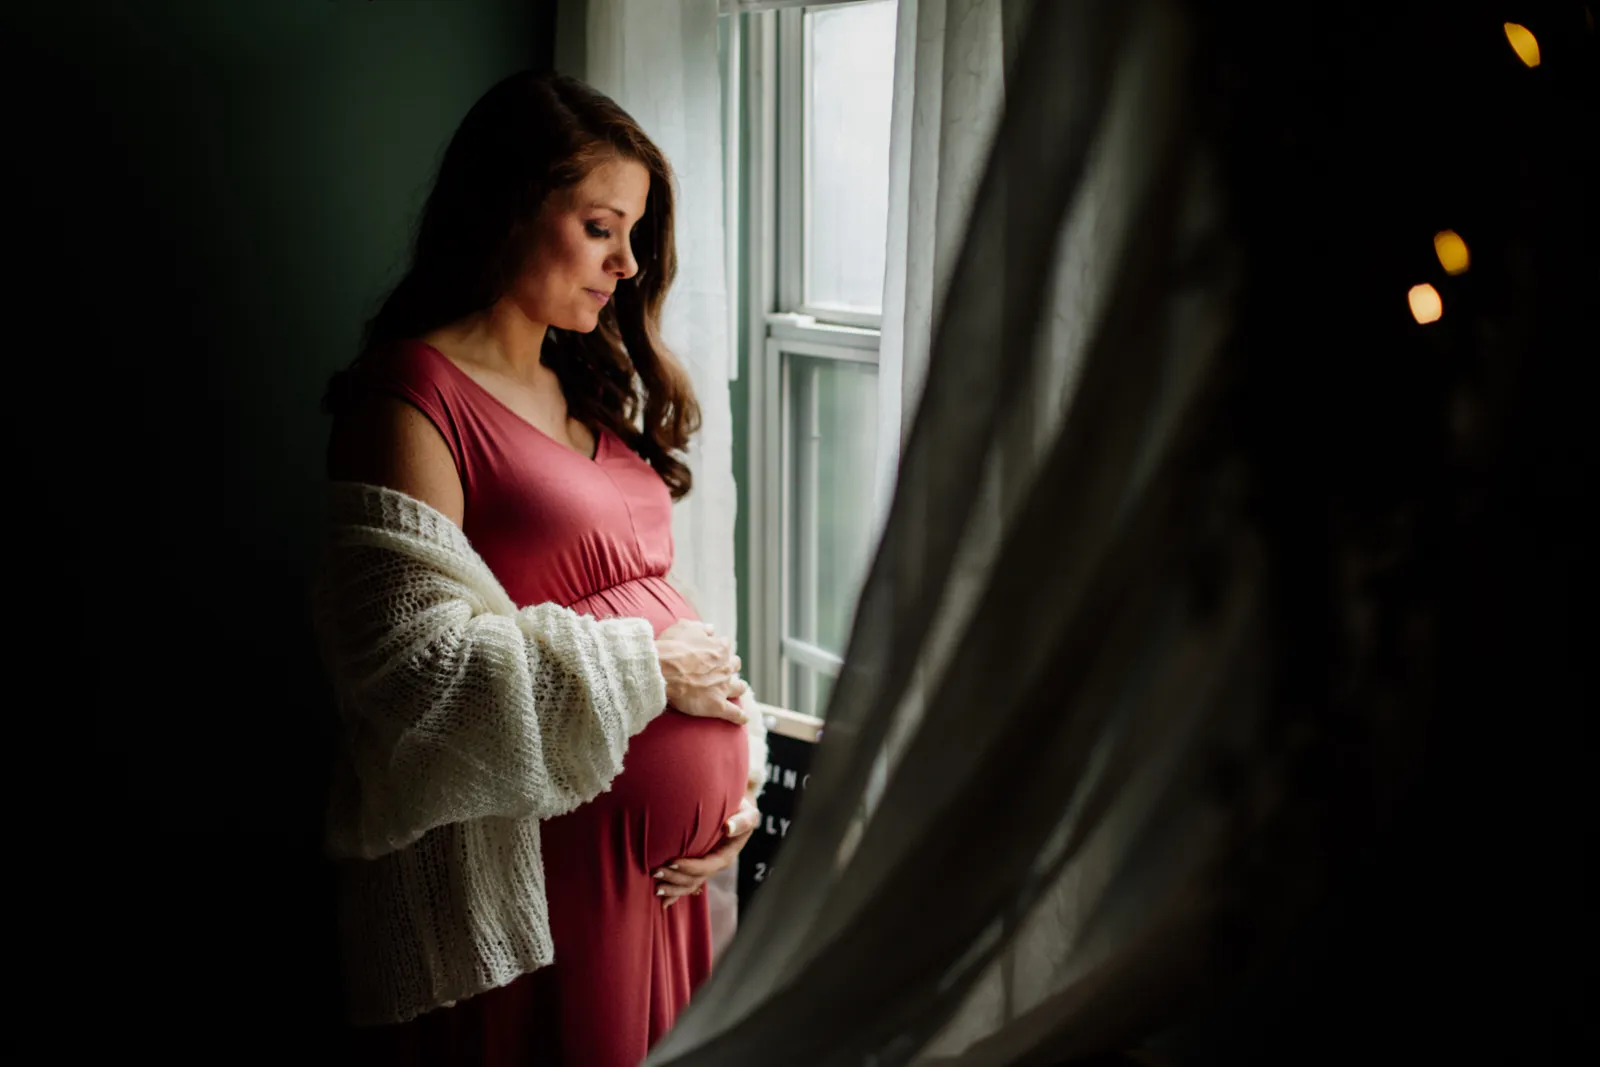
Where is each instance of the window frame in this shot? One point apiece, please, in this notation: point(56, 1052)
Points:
point(768, 79)
point(794, 41)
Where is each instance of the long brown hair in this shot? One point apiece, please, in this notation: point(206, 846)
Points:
point(530, 135)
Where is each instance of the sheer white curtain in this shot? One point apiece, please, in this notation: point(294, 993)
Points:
point(948, 92)
point(659, 61)
point(950, 63)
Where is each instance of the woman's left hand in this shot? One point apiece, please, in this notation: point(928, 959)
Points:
point(682, 877)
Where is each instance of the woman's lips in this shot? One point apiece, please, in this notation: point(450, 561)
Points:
point(599, 294)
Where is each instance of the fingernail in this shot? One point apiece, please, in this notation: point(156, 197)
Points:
point(660, 891)
point(672, 866)
point(661, 874)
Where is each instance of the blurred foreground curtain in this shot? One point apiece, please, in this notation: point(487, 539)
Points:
point(659, 61)
point(1128, 688)
point(1006, 666)
point(952, 57)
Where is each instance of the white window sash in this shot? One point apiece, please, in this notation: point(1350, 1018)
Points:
point(777, 324)
point(734, 7)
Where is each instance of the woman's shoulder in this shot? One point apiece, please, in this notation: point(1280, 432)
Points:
point(412, 371)
point(410, 361)
point(398, 426)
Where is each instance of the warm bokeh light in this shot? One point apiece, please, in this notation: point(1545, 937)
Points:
point(1452, 251)
point(1524, 43)
point(1426, 306)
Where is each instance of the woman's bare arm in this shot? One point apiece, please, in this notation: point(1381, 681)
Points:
point(385, 441)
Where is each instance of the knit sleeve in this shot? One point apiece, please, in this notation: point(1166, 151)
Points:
point(455, 708)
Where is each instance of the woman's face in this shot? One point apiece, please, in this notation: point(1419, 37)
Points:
point(584, 247)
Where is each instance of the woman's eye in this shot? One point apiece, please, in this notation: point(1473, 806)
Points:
point(597, 230)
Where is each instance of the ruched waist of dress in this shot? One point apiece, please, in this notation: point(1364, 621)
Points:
point(647, 596)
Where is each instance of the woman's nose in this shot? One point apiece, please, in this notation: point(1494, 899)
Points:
point(622, 264)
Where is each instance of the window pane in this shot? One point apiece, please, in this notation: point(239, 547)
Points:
point(830, 458)
point(849, 81)
point(808, 690)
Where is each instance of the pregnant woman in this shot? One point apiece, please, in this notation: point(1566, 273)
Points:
point(545, 753)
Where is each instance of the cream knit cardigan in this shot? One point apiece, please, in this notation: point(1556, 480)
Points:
point(465, 720)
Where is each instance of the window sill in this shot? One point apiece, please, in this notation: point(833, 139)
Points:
point(788, 723)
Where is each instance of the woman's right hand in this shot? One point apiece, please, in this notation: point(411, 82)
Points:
point(701, 671)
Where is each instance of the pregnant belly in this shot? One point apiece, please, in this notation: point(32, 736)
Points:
point(682, 777)
point(681, 781)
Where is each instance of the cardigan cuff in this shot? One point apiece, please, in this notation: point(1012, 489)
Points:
point(640, 685)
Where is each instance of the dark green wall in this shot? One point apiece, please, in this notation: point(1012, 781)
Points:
point(208, 198)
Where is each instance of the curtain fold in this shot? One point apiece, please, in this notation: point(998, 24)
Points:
point(1030, 754)
point(948, 92)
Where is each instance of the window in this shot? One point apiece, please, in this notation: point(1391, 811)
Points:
point(813, 88)
point(847, 74)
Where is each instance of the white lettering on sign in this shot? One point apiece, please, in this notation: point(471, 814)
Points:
point(777, 825)
point(786, 778)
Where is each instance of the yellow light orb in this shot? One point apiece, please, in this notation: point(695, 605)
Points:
point(1452, 251)
point(1524, 43)
point(1426, 306)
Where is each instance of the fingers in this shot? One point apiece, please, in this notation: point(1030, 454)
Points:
point(670, 900)
point(743, 821)
point(718, 656)
point(716, 678)
point(674, 881)
point(674, 875)
point(718, 653)
point(696, 871)
point(708, 705)
point(722, 856)
point(702, 673)
point(685, 877)
point(712, 667)
point(670, 893)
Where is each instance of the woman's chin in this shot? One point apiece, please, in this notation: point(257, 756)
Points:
point(583, 322)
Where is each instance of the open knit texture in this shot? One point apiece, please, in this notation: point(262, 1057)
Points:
point(465, 721)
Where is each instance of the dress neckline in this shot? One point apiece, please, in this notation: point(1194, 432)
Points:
point(600, 433)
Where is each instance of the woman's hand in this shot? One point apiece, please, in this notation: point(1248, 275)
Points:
point(701, 672)
point(682, 877)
